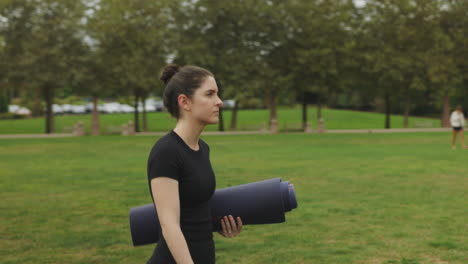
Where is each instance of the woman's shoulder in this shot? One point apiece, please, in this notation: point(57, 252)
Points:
point(203, 144)
point(165, 145)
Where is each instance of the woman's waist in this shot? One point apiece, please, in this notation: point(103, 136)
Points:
point(197, 232)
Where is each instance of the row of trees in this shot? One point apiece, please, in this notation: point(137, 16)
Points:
point(404, 53)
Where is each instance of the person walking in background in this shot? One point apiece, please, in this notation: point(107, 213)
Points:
point(457, 120)
point(181, 179)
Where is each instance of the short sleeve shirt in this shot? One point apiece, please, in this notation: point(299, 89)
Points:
point(171, 157)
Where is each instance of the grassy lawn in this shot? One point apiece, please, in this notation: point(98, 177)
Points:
point(363, 199)
point(289, 119)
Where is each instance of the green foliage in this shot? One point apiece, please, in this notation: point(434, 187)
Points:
point(3, 104)
point(73, 100)
point(43, 42)
point(6, 116)
point(407, 54)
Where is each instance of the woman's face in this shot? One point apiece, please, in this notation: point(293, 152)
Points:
point(205, 103)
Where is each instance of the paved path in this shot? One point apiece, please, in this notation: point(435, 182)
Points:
point(331, 131)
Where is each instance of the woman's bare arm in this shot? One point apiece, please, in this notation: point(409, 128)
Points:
point(166, 196)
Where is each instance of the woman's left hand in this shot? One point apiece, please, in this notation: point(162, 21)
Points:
point(229, 227)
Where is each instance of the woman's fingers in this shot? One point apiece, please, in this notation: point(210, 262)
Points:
point(230, 227)
point(233, 224)
point(239, 224)
point(225, 227)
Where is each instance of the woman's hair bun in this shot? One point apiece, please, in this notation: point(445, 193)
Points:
point(168, 72)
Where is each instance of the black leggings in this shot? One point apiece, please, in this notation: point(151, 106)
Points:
point(202, 252)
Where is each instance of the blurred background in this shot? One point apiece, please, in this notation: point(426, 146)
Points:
point(64, 57)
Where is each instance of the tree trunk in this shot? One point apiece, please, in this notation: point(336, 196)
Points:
point(136, 120)
point(319, 108)
point(304, 113)
point(273, 114)
point(49, 97)
point(145, 124)
point(387, 110)
point(36, 109)
point(95, 124)
point(234, 116)
point(406, 113)
point(446, 111)
point(221, 120)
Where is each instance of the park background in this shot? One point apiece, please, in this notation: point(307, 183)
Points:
point(393, 198)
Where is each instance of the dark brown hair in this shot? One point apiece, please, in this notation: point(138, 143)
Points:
point(181, 80)
point(459, 107)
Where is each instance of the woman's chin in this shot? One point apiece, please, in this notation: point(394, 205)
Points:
point(211, 121)
point(214, 121)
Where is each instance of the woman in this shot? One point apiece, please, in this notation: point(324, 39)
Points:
point(180, 175)
point(457, 120)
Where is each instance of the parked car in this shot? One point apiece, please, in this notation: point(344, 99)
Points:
point(125, 108)
point(13, 108)
point(67, 108)
point(78, 109)
point(111, 108)
point(19, 110)
point(229, 103)
point(23, 111)
point(57, 109)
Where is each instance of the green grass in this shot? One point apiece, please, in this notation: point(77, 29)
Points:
point(363, 199)
point(289, 119)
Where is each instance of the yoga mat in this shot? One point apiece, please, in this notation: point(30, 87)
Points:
point(263, 202)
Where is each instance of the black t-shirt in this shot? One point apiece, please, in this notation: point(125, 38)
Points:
point(171, 157)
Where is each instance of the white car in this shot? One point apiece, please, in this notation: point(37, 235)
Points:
point(13, 108)
point(78, 109)
point(57, 109)
point(152, 105)
point(229, 103)
point(125, 108)
point(67, 108)
point(111, 108)
point(19, 110)
point(23, 111)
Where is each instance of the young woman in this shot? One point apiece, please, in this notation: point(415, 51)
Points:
point(457, 120)
point(180, 175)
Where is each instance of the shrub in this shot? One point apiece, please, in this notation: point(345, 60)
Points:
point(3, 104)
point(4, 116)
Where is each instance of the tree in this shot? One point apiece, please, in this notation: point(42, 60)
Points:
point(321, 46)
point(446, 62)
point(454, 22)
point(218, 35)
point(3, 90)
point(44, 45)
point(395, 37)
point(132, 38)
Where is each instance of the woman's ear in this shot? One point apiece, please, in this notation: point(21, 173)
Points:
point(184, 102)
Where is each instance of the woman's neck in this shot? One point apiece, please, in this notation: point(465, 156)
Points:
point(189, 132)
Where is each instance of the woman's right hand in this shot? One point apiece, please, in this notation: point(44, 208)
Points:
point(229, 227)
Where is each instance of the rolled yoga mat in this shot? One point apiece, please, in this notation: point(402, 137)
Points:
point(263, 202)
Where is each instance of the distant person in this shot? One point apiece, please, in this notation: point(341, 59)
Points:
point(457, 120)
point(180, 176)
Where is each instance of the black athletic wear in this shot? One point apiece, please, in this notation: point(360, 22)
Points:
point(457, 128)
point(171, 157)
point(202, 251)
